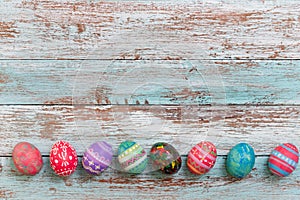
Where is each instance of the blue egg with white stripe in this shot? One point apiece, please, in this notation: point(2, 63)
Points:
point(240, 160)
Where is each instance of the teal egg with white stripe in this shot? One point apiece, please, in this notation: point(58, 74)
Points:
point(240, 160)
point(132, 157)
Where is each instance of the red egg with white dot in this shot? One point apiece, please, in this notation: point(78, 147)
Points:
point(63, 158)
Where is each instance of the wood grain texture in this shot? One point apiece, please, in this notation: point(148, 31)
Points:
point(181, 29)
point(115, 185)
point(194, 82)
point(175, 71)
point(264, 127)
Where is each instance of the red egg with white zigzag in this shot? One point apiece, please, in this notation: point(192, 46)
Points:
point(283, 159)
point(63, 158)
point(202, 158)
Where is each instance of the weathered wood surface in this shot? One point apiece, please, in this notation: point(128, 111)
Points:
point(149, 71)
point(149, 82)
point(264, 127)
point(181, 29)
point(114, 185)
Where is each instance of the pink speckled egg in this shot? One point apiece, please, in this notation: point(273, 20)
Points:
point(27, 158)
point(63, 158)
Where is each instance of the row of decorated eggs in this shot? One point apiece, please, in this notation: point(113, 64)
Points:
point(132, 158)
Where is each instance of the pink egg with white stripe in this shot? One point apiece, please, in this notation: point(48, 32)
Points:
point(202, 158)
point(283, 159)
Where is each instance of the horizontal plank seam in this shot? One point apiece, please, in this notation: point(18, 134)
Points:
point(167, 105)
point(115, 156)
point(116, 59)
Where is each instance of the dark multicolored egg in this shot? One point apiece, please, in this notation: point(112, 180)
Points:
point(132, 157)
point(240, 160)
point(284, 159)
point(202, 158)
point(165, 157)
point(97, 157)
point(27, 158)
point(63, 158)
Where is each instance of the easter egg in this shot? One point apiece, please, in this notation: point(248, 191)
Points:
point(27, 158)
point(97, 158)
point(63, 158)
point(165, 157)
point(240, 160)
point(283, 159)
point(202, 158)
point(132, 157)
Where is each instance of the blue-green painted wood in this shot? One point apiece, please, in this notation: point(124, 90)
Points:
point(194, 82)
point(102, 31)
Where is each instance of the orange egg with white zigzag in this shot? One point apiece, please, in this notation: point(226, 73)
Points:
point(202, 158)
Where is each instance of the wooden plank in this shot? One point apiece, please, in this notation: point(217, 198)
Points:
point(149, 29)
point(191, 82)
point(264, 127)
point(115, 185)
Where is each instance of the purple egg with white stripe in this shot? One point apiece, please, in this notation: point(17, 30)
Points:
point(97, 157)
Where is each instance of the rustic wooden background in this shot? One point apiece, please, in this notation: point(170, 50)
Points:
point(176, 71)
